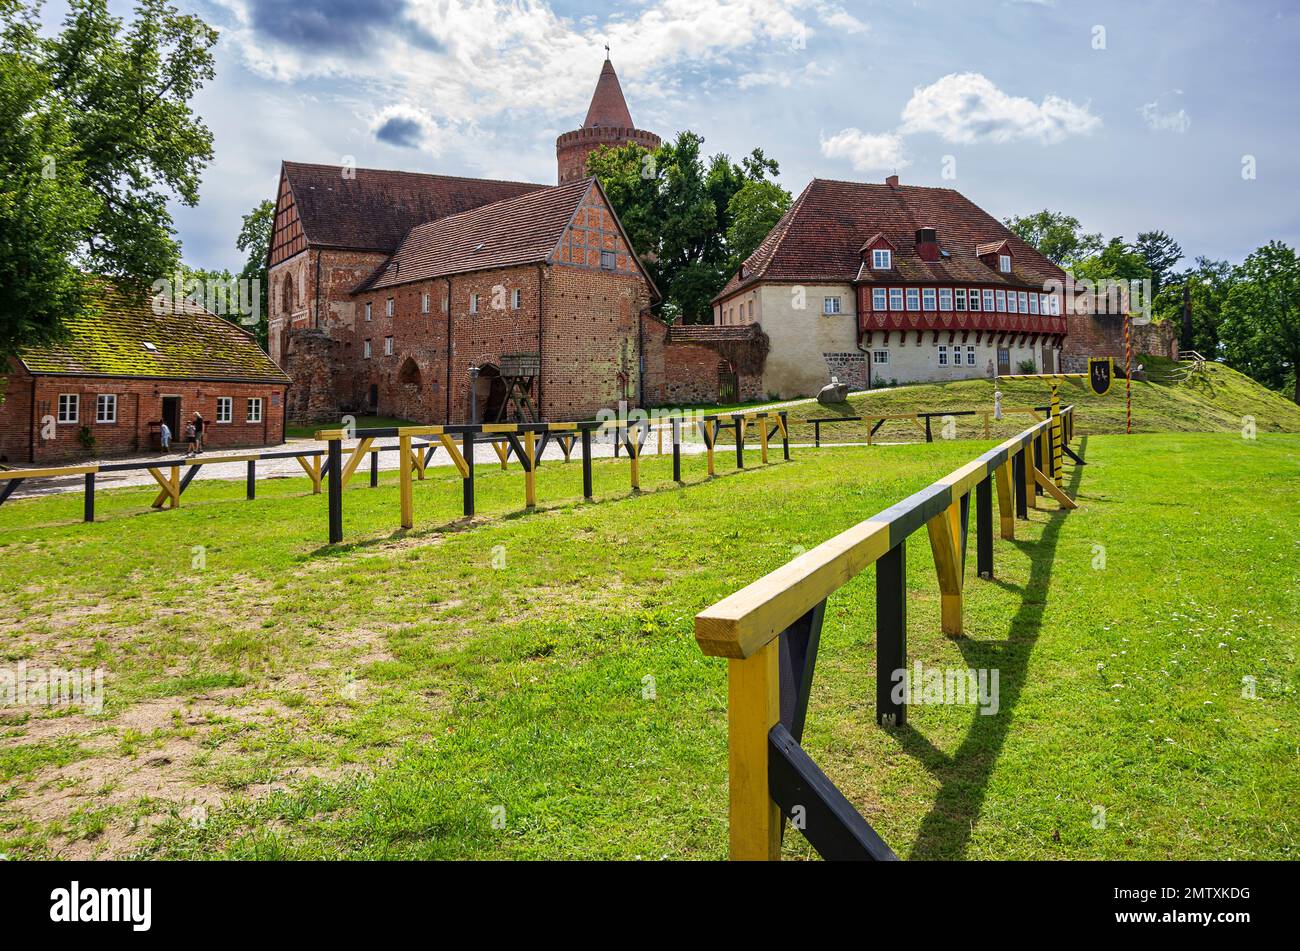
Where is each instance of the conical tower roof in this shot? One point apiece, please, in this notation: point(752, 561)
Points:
point(608, 107)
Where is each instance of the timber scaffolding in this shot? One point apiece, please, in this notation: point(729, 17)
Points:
point(769, 632)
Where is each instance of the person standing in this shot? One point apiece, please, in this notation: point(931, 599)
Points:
point(190, 438)
point(165, 437)
point(198, 432)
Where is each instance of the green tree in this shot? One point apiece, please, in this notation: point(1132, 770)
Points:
point(1058, 237)
point(255, 241)
point(97, 136)
point(1207, 286)
point(1161, 253)
point(1260, 328)
point(1115, 262)
point(754, 211)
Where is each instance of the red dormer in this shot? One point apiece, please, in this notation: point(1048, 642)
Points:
point(927, 244)
point(996, 254)
point(878, 253)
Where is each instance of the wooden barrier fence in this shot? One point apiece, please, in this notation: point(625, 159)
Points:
point(769, 633)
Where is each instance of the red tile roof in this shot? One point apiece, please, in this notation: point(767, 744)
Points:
point(820, 239)
point(521, 230)
point(608, 107)
point(375, 209)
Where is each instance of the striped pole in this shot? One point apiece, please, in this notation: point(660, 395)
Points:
point(1057, 468)
point(1128, 375)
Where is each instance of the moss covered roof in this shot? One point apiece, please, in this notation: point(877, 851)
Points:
point(187, 343)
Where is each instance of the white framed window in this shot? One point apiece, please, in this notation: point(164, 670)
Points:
point(365, 350)
point(1002, 301)
point(943, 355)
point(970, 356)
point(1024, 302)
point(424, 302)
point(879, 356)
point(959, 298)
point(388, 346)
point(879, 298)
point(988, 300)
point(974, 299)
point(69, 406)
point(368, 310)
point(882, 259)
point(913, 298)
point(225, 408)
point(608, 260)
point(1004, 263)
point(830, 305)
point(253, 413)
point(106, 408)
point(945, 298)
point(1056, 305)
point(516, 298)
point(1011, 302)
point(1033, 303)
point(388, 307)
point(928, 298)
point(895, 298)
point(473, 303)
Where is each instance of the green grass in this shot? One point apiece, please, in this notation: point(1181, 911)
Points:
point(275, 698)
point(309, 430)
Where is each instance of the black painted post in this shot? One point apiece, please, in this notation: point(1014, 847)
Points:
point(740, 446)
point(1038, 463)
point(785, 434)
point(817, 434)
point(677, 449)
point(618, 438)
point(928, 436)
point(984, 527)
point(374, 468)
point(250, 480)
point(891, 633)
point(336, 490)
point(467, 484)
point(586, 464)
point(1018, 477)
point(89, 513)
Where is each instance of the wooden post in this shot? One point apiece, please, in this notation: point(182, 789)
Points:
point(467, 483)
point(891, 633)
point(634, 456)
point(677, 450)
point(530, 470)
point(984, 527)
point(785, 434)
point(1058, 467)
point(753, 708)
point(1005, 477)
point(88, 508)
point(762, 432)
point(404, 468)
point(945, 543)
point(740, 442)
point(707, 431)
point(335, 500)
point(586, 464)
point(250, 480)
point(1033, 457)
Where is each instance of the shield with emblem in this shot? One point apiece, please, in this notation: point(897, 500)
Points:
point(1101, 370)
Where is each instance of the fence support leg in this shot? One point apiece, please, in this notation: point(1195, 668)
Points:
point(1033, 459)
point(677, 450)
point(740, 445)
point(250, 480)
point(467, 484)
point(891, 635)
point(984, 528)
point(946, 546)
point(1006, 502)
point(530, 470)
point(762, 436)
point(785, 434)
point(753, 708)
point(336, 491)
point(586, 464)
point(89, 508)
point(404, 468)
point(1019, 485)
point(374, 469)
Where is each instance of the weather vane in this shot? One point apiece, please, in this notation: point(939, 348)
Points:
point(606, 51)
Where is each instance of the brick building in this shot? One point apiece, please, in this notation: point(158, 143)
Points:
point(608, 123)
point(126, 367)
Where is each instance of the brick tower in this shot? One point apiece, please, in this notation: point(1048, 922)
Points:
point(608, 123)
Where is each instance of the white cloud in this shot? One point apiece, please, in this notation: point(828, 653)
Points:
point(783, 78)
point(865, 151)
point(406, 126)
point(967, 108)
point(1159, 121)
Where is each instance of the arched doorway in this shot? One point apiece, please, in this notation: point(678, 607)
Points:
point(489, 394)
point(409, 374)
point(286, 295)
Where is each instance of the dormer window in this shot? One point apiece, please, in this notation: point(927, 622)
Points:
point(882, 259)
point(1004, 263)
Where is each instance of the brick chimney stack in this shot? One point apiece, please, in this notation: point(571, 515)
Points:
point(892, 181)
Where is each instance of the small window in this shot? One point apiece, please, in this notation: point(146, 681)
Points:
point(1011, 302)
point(959, 299)
point(254, 414)
point(943, 355)
point(830, 305)
point(970, 356)
point(608, 260)
point(945, 298)
point(69, 404)
point(1004, 263)
point(1024, 302)
point(365, 350)
point(879, 356)
point(879, 298)
point(974, 299)
point(148, 346)
point(1033, 303)
point(913, 299)
point(388, 346)
point(751, 309)
point(1056, 305)
point(225, 408)
point(388, 307)
point(516, 298)
point(1002, 301)
point(106, 408)
point(424, 302)
point(473, 303)
point(895, 298)
point(882, 259)
point(988, 300)
point(367, 310)
point(928, 298)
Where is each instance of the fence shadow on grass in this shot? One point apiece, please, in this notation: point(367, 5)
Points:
point(964, 776)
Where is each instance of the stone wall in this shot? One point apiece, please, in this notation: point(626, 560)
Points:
point(1102, 335)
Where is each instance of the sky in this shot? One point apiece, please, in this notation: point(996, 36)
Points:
point(1180, 116)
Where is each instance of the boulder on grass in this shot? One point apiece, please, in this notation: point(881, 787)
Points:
point(833, 392)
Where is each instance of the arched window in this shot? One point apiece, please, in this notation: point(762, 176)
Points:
point(409, 374)
point(286, 294)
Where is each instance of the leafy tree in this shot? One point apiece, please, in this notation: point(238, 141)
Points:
point(1260, 329)
point(684, 216)
point(97, 137)
point(1058, 237)
point(1116, 262)
point(255, 240)
point(1207, 286)
point(1161, 253)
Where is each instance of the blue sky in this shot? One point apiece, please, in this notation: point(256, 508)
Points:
point(1131, 116)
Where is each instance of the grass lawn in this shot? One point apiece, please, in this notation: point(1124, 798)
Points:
point(267, 697)
point(363, 422)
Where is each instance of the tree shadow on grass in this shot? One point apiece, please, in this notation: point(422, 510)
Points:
point(946, 831)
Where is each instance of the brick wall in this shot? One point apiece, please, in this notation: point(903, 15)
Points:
point(139, 403)
point(1101, 335)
